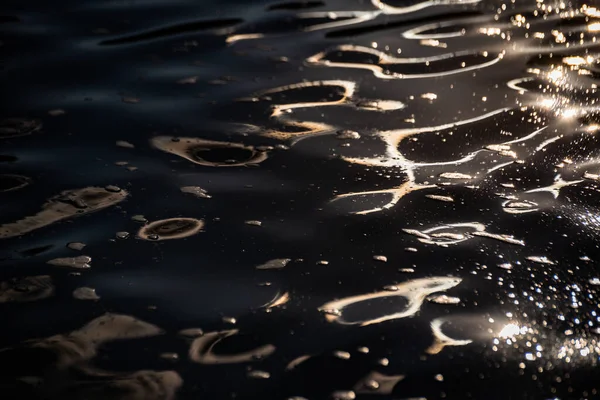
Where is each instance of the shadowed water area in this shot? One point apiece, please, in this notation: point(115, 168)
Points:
point(338, 199)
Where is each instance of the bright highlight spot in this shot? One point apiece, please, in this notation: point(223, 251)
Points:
point(509, 331)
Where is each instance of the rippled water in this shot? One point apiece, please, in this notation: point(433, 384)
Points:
point(300, 200)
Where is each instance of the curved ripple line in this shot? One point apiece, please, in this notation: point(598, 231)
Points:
point(393, 157)
point(414, 291)
point(353, 17)
point(386, 59)
point(390, 10)
point(278, 109)
point(201, 350)
point(442, 340)
point(343, 33)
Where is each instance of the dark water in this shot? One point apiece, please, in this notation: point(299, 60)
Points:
point(299, 200)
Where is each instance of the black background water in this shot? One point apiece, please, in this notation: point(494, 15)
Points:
point(115, 68)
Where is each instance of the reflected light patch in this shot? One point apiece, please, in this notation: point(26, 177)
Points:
point(547, 103)
point(570, 113)
point(592, 128)
point(555, 75)
point(576, 61)
point(510, 331)
point(594, 27)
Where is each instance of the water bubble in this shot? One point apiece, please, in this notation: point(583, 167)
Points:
point(172, 228)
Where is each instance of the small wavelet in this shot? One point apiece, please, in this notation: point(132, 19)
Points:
point(405, 7)
point(85, 293)
point(279, 300)
point(15, 127)
point(295, 5)
point(387, 66)
point(173, 30)
point(11, 182)
point(68, 204)
point(451, 17)
point(377, 383)
point(308, 21)
point(79, 262)
point(210, 153)
point(29, 288)
point(196, 191)
point(276, 263)
point(430, 167)
point(452, 234)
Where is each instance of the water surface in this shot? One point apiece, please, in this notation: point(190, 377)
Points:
point(299, 199)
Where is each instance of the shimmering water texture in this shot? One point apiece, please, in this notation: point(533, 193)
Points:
point(301, 200)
